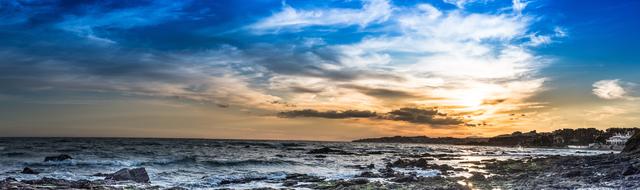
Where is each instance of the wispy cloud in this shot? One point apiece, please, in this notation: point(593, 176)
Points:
point(372, 11)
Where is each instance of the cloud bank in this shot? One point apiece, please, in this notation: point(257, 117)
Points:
point(411, 115)
point(376, 55)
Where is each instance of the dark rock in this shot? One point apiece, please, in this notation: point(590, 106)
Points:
point(289, 183)
point(64, 184)
point(327, 150)
point(303, 178)
point(371, 166)
point(404, 179)
point(57, 158)
point(633, 144)
point(630, 170)
point(368, 174)
point(574, 173)
point(359, 181)
point(404, 163)
point(320, 156)
point(138, 175)
point(28, 170)
point(477, 177)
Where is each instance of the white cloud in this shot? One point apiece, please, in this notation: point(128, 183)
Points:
point(452, 59)
point(372, 11)
point(518, 6)
point(609, 89)
point(459, 3)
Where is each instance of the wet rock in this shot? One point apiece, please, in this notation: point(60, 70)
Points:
point(368, 174)
point(477, 177)
point(633, 145)
point(327, 150)
point(303, 178)
point(138, 175)
point(404, 179)
point(28, 170)
point(405, 163)
point(574, 173)
point(630, 170)
point(64, 184)
point(289, 183)
point(359, 181)
point(57, 158)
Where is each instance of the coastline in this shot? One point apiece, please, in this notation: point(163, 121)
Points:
point(401, 169)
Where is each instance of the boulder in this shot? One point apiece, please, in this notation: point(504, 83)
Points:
point(633, 144)
point(138, 175)
point(57, 158)
point(630, 170)
point(28, 170)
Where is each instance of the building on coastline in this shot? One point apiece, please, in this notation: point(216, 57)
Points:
point(619, 139)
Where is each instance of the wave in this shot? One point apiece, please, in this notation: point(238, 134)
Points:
point(247, 162)
point(217, 163)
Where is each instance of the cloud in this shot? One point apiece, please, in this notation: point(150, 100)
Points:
point(328, 114)
point(459, 3)
point(372, 56)
point(611, 89)
point(422, 116)
point(372, 11)
point(519, 5)
point(411, 115)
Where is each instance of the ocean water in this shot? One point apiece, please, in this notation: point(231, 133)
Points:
point(202, 164)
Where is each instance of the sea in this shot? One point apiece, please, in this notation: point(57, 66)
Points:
point(205, 163)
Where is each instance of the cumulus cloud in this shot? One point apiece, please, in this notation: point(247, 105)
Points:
point(411, 115)
point(372, 11)
point(611, 89)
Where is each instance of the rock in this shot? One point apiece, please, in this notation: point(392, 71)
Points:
point(633, 144)
point(359, 181)
point(405, 163)
point(630, 170)
point(28, 170)
point(303, 178)
point(368, 174)
point(404, 179)
point(57, 158)
point(574, 173)
point(327, 150)
point(138, 175)
point(63, 184)
point(289, 183)
point(371, 166)
point(477, 177)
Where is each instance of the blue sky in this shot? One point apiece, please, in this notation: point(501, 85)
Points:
point(477, 63)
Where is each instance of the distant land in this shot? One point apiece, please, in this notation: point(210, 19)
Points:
point(557, 138)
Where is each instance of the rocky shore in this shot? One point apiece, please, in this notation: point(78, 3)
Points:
point(608, 171)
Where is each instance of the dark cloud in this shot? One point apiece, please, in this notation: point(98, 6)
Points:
point(422, 116)
point(381, 92)
point(328, 114)
point(412, 115)
point(300, 89)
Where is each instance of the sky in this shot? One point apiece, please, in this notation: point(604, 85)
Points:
point(316, 70)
